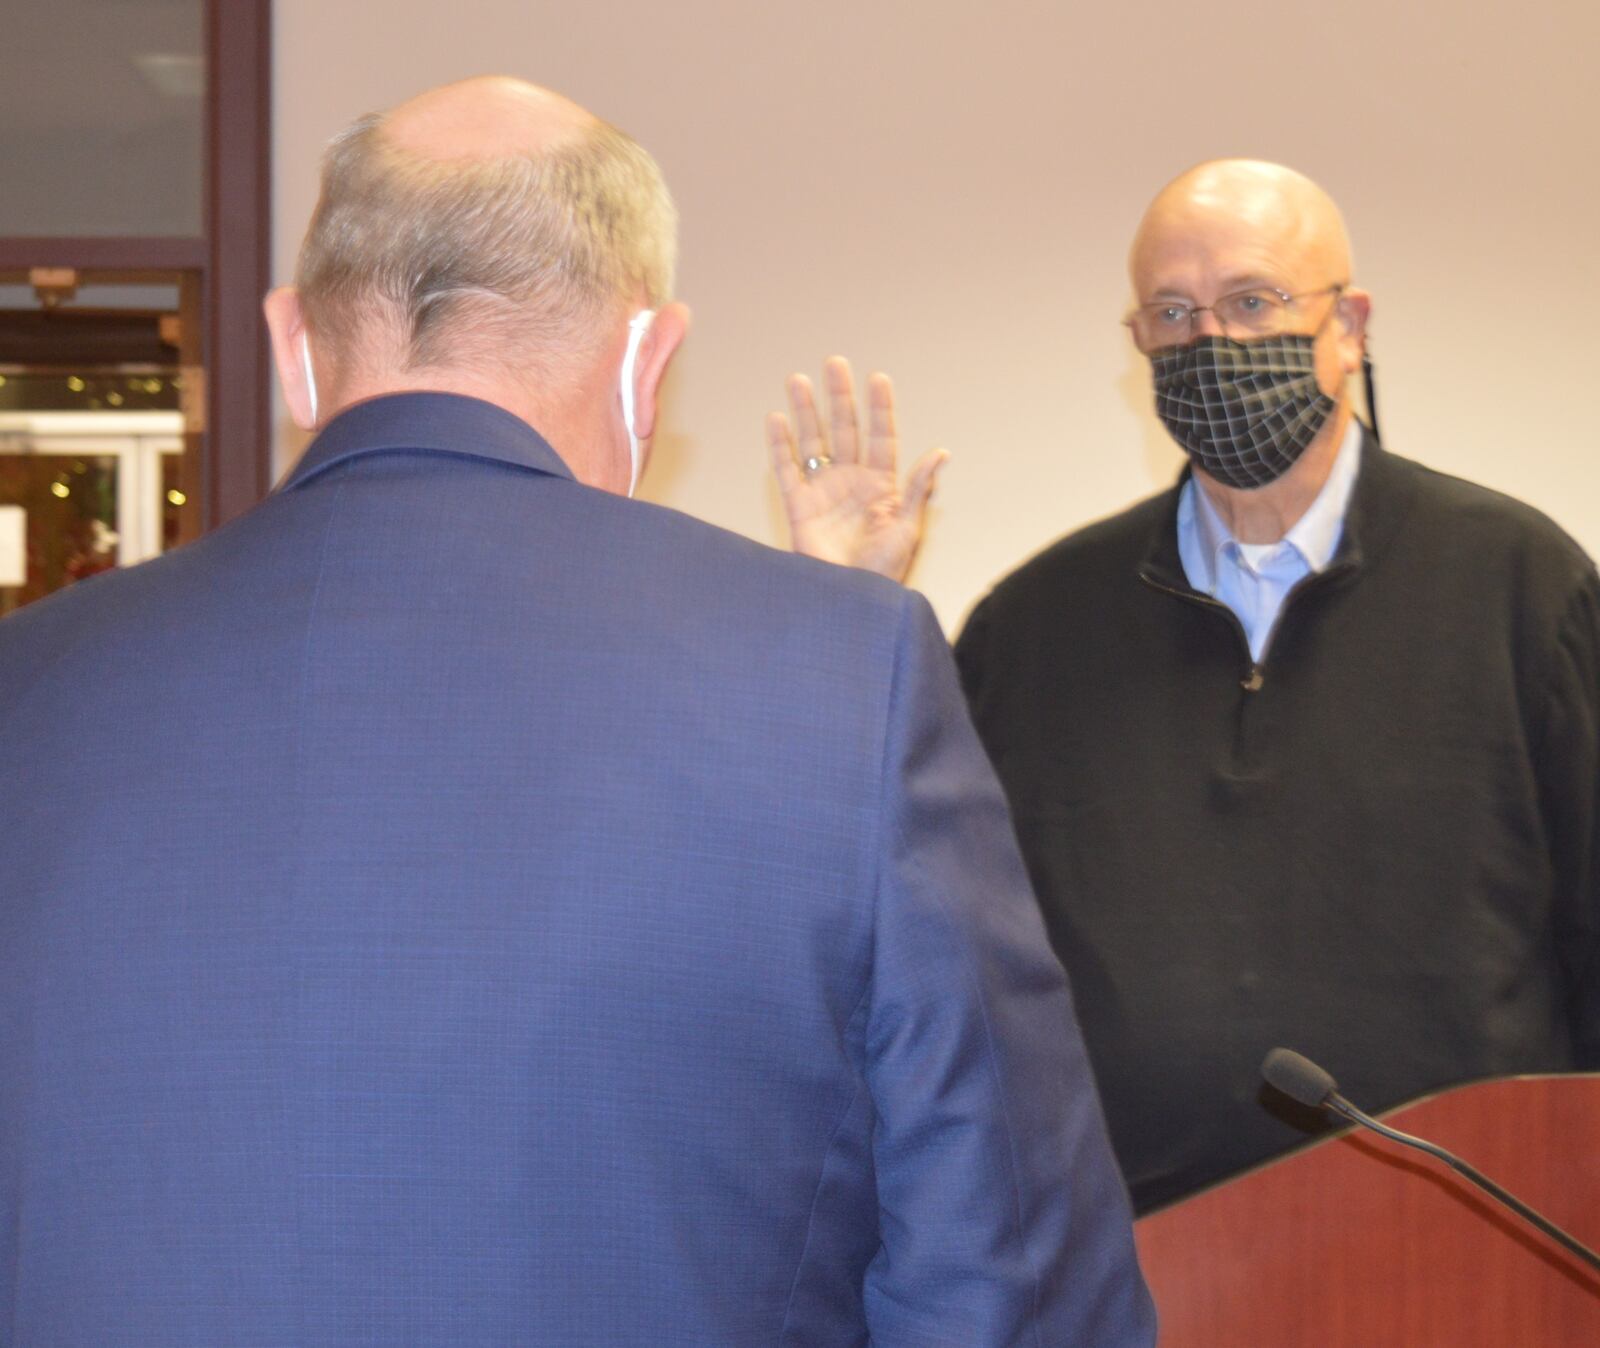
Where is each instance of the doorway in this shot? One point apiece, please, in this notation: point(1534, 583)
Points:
point(134, 393)
point(99, 440)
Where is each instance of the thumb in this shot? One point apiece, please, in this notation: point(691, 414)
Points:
point(919, 486)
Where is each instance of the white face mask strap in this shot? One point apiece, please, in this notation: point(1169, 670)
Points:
point(311, 377)
point(638, 325)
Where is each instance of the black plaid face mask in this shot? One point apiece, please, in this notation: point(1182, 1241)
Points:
point(1243, 411)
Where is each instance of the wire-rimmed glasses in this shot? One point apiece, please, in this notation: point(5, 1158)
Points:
point(1243, 315)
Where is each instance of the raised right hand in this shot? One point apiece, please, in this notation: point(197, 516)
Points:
point(845, 505)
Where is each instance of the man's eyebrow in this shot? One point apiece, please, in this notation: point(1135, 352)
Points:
point(1163, 293)
point(1253, 280)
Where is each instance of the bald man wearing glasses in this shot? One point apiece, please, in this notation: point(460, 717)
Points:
point(1304, 750)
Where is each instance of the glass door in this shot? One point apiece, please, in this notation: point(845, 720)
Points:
point(97, 452)
point(84, 492)
point(134, 396)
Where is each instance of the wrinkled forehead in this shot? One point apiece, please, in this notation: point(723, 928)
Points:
point(1199, 247)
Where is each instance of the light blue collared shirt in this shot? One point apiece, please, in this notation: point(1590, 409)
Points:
point(1253, 579)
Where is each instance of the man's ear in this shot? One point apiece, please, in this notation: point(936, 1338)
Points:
point(1354, 308)
point(287, 326)
point(656, 351)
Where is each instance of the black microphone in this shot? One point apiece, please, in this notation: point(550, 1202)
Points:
point(1302, 1080)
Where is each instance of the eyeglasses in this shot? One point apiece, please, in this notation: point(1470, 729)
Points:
point(1243, 315)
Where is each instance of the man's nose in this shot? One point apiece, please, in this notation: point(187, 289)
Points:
point(1203, 323)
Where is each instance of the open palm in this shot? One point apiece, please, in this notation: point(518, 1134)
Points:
point(844, 500)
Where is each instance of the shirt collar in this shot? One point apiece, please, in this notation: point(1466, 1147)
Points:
point(1380, 504)
point(1315, 535)
point(428, 423)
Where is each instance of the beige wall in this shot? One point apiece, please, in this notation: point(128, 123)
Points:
point(946, 191)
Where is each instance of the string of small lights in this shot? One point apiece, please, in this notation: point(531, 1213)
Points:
point(52, 391)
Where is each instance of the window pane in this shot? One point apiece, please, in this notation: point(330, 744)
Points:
point(91, 474)
point(69, 506)
point(101, 117)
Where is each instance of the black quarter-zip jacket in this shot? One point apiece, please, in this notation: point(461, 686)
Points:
point(1380, 847)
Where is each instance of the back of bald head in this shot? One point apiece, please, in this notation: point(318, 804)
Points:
point(1247, 196)
point(488, 222)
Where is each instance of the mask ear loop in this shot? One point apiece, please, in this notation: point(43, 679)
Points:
point(638, 325)
point(1372, 396)
point(311, 377)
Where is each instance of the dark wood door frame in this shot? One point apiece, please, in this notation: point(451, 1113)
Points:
point(239, 229)
point(229, 269)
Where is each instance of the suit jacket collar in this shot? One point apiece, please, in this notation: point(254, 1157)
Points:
point(1378, 506)
point(427, 423)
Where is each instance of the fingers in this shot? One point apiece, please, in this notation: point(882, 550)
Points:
point(803, 402)
point(780, 445)
point(920, 485)
point(841, 443)
point(883, 439)
point(842, 424)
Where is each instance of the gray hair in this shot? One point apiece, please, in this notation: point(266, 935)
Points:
point(517, 259)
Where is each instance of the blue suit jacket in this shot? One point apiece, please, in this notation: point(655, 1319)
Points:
point(454, 905)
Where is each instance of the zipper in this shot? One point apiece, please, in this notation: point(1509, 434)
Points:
point(1255, 675)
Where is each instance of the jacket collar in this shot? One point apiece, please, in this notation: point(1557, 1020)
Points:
point(427, 423)
point(1378, 506)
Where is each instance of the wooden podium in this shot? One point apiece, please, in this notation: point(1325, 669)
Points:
point(1356, 1241)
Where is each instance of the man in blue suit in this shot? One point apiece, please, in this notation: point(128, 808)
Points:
point(456, 904)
